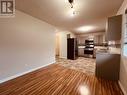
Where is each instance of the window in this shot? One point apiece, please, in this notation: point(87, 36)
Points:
point(125, 39)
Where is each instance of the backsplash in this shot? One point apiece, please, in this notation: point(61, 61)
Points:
point(116, 44)
point(114, 47)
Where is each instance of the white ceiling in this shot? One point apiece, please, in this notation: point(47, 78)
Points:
point(91, 13)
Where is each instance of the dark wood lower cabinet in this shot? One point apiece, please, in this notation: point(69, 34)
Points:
point(108, 66)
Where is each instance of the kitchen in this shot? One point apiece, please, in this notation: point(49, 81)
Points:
point(103, 46)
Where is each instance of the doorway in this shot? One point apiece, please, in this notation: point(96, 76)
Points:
point(57, 48)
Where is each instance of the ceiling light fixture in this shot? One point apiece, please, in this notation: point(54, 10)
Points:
point(85, 28)
point(72, 6)
point(71, 2)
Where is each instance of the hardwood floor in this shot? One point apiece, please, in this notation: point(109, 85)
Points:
point(58, 80)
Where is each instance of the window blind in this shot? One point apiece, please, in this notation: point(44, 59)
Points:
point(125, 39)
point(125, 34)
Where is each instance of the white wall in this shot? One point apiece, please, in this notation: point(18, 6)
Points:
point(123, 65)
point(26, 44)
point(63, 42)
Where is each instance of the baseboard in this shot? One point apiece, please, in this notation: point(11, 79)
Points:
point(23, 73)
point(122, 88)
point(63, 57)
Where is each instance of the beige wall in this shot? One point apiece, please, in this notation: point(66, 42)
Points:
point(26, 44)
point(123, 65)
point(63, 42)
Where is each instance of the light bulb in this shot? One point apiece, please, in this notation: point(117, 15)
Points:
point(72, 11)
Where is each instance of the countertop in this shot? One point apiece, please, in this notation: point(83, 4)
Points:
point(103, 49)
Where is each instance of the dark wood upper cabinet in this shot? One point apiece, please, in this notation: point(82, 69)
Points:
point(114, 28)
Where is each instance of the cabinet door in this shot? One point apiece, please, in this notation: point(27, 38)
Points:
point(114, 28)
point(108, 66)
